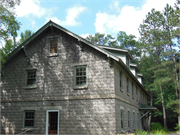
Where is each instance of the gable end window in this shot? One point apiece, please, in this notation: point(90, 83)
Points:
point(80, 76)
point(31, 78)
point(53, 45)
point(29, 119)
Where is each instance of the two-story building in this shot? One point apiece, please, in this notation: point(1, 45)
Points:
point(56, 82)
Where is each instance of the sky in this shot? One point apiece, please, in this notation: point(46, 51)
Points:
point(84, 17)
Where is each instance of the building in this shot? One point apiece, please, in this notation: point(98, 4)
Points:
point(59, 83)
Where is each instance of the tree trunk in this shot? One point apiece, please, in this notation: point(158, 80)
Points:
point(151, 104)
point(164, 110)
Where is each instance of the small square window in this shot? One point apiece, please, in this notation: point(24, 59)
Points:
point(53, 45)
point(80, 76)
point(31, 78)
point(29, 119)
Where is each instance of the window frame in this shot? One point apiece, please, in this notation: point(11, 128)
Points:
point(121, 84)
point(24, 118)
point(127, 87)
point(129, 120)
point(122, 119)
point(81, 85)
point(50, 44)
point(132, 90)
point(32, 85)
point(136, 93)
point(134, 120)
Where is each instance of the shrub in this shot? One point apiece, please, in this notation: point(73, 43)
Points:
point(138, 132)
point(156, 126)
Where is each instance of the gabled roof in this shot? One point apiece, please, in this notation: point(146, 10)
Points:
point(134, 65)
point(101, 49)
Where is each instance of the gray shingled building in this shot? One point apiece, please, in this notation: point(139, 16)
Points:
point(59, 83)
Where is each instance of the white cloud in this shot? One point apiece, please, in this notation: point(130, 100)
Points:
point(114, 6)
point(84, 35)
point(72, 14)
point(31, 7)
point(128, 19)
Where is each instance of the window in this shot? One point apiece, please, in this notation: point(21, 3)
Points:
point(53, 45)
point(133, 120)
point(137, 120)
point(31, 78)
point(122, 119)
point(127, 86)
point(132, 90)
point(136, 93)
point(28, 119)
point(121, 80)
point(128, 119)
point(80, 76)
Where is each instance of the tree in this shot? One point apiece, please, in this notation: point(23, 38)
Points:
point(8, 26)
point(125, 41)
point(101, 39)
point(151, 32)
point(25, 36)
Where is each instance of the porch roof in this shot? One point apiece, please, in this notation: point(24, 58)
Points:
point(144, 107)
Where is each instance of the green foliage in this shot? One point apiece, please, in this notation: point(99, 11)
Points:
point(177, 126)
point(156, 126)
point(8, 27)
point(158, 132)
point(25, 36)
point(138, 132)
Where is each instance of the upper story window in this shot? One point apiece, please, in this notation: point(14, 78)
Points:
point(31, 78)
point(121, 83)
point(29, 119)
point(136, 93)
point(53, 45)
point(127, 85)
point(80, 76)
point(132, 90)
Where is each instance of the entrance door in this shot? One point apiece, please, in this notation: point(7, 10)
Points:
point(53, 123)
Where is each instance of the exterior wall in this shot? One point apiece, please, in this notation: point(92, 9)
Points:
point(76, 116)
point(126, 107)
point(126, 101)
point(55, 82)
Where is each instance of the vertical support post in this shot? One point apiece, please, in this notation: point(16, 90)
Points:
point(140, 121)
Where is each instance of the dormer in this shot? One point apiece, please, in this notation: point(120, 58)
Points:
point(134, 69)
point(140, 78)
point(123, 54)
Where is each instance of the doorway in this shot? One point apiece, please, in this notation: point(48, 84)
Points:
point(52, 122)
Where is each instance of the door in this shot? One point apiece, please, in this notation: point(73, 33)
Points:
point(53, 123)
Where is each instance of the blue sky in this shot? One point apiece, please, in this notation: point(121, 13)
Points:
point(85, 17)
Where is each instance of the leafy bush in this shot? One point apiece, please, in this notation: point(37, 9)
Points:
point(158, 132)
point(177, 126)
point(156, 126)
point(138, 132)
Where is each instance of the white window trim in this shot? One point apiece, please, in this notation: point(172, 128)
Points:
point(47, 119)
